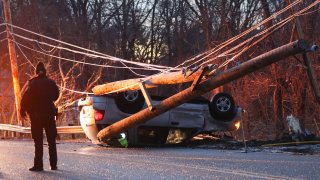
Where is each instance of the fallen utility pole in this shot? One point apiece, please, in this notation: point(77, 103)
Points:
point(13, 59)
point(152, 82)
point(204, 87)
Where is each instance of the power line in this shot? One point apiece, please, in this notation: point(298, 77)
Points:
point(274, 27)
point(70, 90)
point(3, 32)
point(79, 52)
point(23, 53)
point(94, 53)
point(164, 68)
point(71, 60)
point(233, 39)
point(74, 91)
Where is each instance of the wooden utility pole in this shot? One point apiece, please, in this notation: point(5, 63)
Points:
point(306, 59)
point(204, 87)
point(152, 82)
point(13, 59)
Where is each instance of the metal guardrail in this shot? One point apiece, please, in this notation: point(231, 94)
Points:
point(61, 129)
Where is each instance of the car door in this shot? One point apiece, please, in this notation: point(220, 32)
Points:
point(161, 120)
point(188, 115)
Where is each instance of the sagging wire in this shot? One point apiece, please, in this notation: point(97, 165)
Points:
point(94, 53)
point(280, 25)
point(233, 39)
point(226, 43)
point(62, 48)
point(274, 27)
point(4, 39)
point(214, 50)
point(307, 13)
point(251, 45)
point(75, 91)
point(3, 32)
point(70, 90)
point(71, 60)
point(61, 87)
point(47, 51)
point(125, 66)
point(25, 56)
point(149, 67)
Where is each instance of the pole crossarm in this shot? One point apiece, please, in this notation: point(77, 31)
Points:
point(146, 96)
point(204, 87)
point(199, 77)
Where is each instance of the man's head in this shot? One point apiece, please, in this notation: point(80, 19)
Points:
point(40, 69)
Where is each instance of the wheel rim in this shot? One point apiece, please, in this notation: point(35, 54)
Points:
point(223, 104)
point(131, 95)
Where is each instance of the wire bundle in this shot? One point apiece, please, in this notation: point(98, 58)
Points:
point(210, 56)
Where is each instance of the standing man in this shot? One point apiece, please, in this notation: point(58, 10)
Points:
point(38, 97)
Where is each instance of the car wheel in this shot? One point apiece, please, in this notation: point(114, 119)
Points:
point(221, 107)
point(130, 101)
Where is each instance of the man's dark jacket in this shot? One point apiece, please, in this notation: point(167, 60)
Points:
point(38, 97)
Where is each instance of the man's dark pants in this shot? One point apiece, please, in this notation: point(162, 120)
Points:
point(38, 123)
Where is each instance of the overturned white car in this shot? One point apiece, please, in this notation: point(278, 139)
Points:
point(174, 126)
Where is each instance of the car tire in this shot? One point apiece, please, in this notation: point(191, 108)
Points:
point(129, 102)
point(221, 107)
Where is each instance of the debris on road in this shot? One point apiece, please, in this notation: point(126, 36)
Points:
point(285, 145)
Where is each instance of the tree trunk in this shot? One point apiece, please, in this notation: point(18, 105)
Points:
point(277, 94)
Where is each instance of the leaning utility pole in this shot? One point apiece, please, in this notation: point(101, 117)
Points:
point(204, 87)
point(306, 58)
point(13, 59)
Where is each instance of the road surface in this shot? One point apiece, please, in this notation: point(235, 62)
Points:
point(86, 161)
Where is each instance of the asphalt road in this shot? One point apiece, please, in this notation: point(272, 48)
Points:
point(86, 161)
